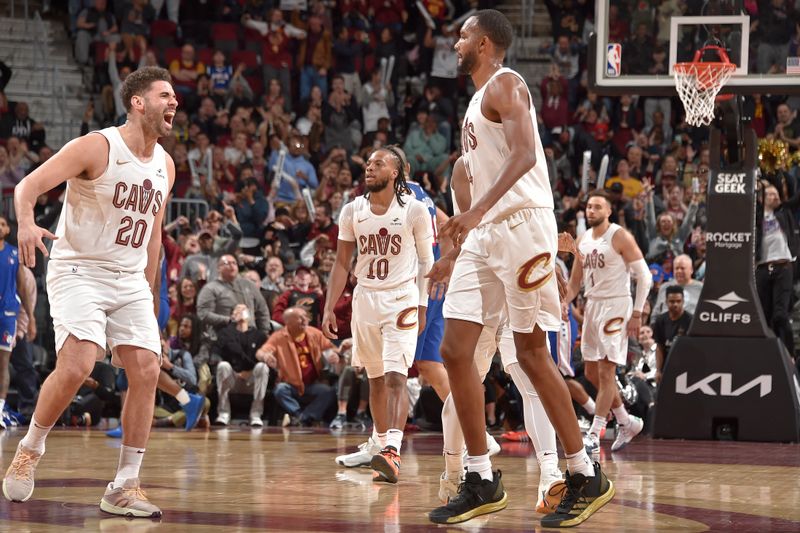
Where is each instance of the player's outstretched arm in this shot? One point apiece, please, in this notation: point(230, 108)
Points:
point(85, 157)
point(339, 273)
point(625, 245)
point(151, 271)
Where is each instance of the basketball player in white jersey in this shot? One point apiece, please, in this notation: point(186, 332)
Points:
point(392, 235)
point(537, 425)
point(102, 276)
point(507, 244)
point(608, 257)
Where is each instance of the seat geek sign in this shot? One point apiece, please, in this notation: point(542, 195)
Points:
point(727, 183)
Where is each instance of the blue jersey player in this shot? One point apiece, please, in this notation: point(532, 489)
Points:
point(429, 362)
point(10, 277)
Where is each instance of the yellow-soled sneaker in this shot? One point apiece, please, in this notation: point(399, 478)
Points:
point(475, 497)
point(583, 497)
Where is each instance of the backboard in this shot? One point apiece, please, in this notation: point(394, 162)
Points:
point(637, 43)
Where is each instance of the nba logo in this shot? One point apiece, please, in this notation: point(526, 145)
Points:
point(614, 60)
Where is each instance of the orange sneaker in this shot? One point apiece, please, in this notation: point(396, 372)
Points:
point(516, 436)
point(386, 465)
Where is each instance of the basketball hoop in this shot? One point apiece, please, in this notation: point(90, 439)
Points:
point(699, 82)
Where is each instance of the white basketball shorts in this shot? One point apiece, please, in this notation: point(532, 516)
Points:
point(385, 327)
point(604, 334)
point(509, 261)
point(105, 307)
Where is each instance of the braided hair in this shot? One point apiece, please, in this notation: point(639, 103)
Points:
point(400, 187)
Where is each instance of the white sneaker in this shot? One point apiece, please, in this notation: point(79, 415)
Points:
point(592, 444)
point(448, 485)
point(224, 419)
point(626, 433)
point(491, 444)
point(363, 457)
point(256, 422)
point(551, 490)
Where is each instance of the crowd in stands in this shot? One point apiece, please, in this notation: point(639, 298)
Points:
point(280, 108)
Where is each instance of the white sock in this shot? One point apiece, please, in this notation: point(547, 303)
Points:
point(453, 464)
point(579, 463)
point(34, 438)
point(378, 438)
point(548, 460)
point(452, 435)
point(182, 397)
point(2, 404)
point(130, 460)
point(598, 425)
point(621, 414)
point(394, 438)
point(589, 406)
point(480, 464)
point(537, 424)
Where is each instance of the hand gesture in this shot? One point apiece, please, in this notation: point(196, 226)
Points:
point(29, 238)
point(229, 212)
point(458, 226)
point(566, 243)
point(439, 277)
point(329, 328)
point(634, 325)
point(182, 221)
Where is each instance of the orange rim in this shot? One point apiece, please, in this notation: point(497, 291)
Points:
point(707, 73)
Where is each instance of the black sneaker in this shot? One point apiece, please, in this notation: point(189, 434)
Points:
point(475, 497)
point(582, 498)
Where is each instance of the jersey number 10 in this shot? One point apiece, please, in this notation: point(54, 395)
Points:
point(378, 268)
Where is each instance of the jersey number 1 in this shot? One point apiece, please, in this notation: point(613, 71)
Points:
point(131, 232)
point(378, 268)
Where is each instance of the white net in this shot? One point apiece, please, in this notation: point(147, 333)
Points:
point(698, 85)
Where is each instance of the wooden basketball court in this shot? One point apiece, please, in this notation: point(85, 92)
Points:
point(239, 479)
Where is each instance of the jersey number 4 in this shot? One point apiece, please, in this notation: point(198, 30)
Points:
point(378, 268)
point(131, 232)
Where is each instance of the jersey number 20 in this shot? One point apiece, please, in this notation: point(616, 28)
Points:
point(131, 232)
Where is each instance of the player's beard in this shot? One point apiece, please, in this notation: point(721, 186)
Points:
point(155, 118)
point(468, 62)
point(596, 222)
point(377, 186)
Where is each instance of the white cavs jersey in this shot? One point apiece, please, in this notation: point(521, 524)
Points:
point(107, 221)
point(387, 250)
point(605, 273)
point(484, 150)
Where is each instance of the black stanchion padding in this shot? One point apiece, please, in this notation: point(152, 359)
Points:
point(729, 377)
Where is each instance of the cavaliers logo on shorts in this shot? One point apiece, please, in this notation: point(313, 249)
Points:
point(527, 279)
point(407, 318)
point(613, 326)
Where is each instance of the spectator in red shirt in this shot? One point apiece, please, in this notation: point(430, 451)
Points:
point(323, 225)
point(301, 295)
